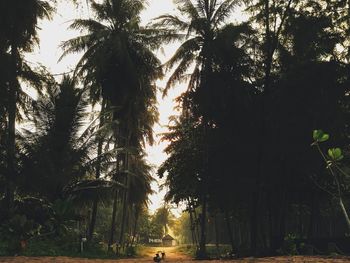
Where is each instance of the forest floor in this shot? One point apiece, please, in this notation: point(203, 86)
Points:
point(172, 255)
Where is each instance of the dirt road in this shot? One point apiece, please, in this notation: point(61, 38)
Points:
point(173, 256)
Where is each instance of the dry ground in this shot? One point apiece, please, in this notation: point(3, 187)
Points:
point(172, 256)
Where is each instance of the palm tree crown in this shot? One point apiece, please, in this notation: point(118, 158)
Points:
point(202, 23)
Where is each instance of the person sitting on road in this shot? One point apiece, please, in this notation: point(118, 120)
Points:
point(157, 258)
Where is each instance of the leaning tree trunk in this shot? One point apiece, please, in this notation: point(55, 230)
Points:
point(11, 139)
point(98, 174)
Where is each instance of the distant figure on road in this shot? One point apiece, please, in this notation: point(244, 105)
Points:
point(163, 255)
point(157, 258)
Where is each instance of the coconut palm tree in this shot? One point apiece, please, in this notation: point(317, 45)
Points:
point(203, 22)
point(18, 20)
point(56, 151)
point(118, 65)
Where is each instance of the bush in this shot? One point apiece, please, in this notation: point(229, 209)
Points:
point(289, 246)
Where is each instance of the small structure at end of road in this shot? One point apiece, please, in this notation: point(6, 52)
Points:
point(168, 241)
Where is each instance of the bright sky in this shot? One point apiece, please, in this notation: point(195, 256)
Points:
point(52, 34)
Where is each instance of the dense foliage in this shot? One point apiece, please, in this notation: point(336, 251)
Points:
point(240, 150)
point(241, 155)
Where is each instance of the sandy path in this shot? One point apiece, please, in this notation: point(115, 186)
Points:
point(172, 256)
point(251, 260)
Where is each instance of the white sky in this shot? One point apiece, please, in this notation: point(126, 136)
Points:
point(52, 34)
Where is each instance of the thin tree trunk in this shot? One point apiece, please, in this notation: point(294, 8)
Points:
point(196, 230)
point(135, 227)
point(125, 198)
point(345, 213)
point(229, 230)
point(11, 140)
point(216, 234)
point(192, 227)
point(114, 213)
point(98, 173)
point(203, 219)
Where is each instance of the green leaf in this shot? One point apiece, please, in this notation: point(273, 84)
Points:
point(320, 136)
point(324, 137)
point(335, 154)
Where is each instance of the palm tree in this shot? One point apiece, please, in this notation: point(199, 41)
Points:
point(140, 179)
point(18, 36)
point(56, 152)
point(118, 65)
point(203, 24)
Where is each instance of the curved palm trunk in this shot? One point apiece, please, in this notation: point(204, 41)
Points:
point(98, 174)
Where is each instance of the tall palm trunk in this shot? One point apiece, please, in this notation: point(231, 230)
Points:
point(125, 203)
point(135, 226)
point(11, 139)
point(114, 210)
point(196, 226)
point(217, 238)
point(98, 173)
point(192, 228)
point(203, 220)
point(114, 213)
point(229, 230)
